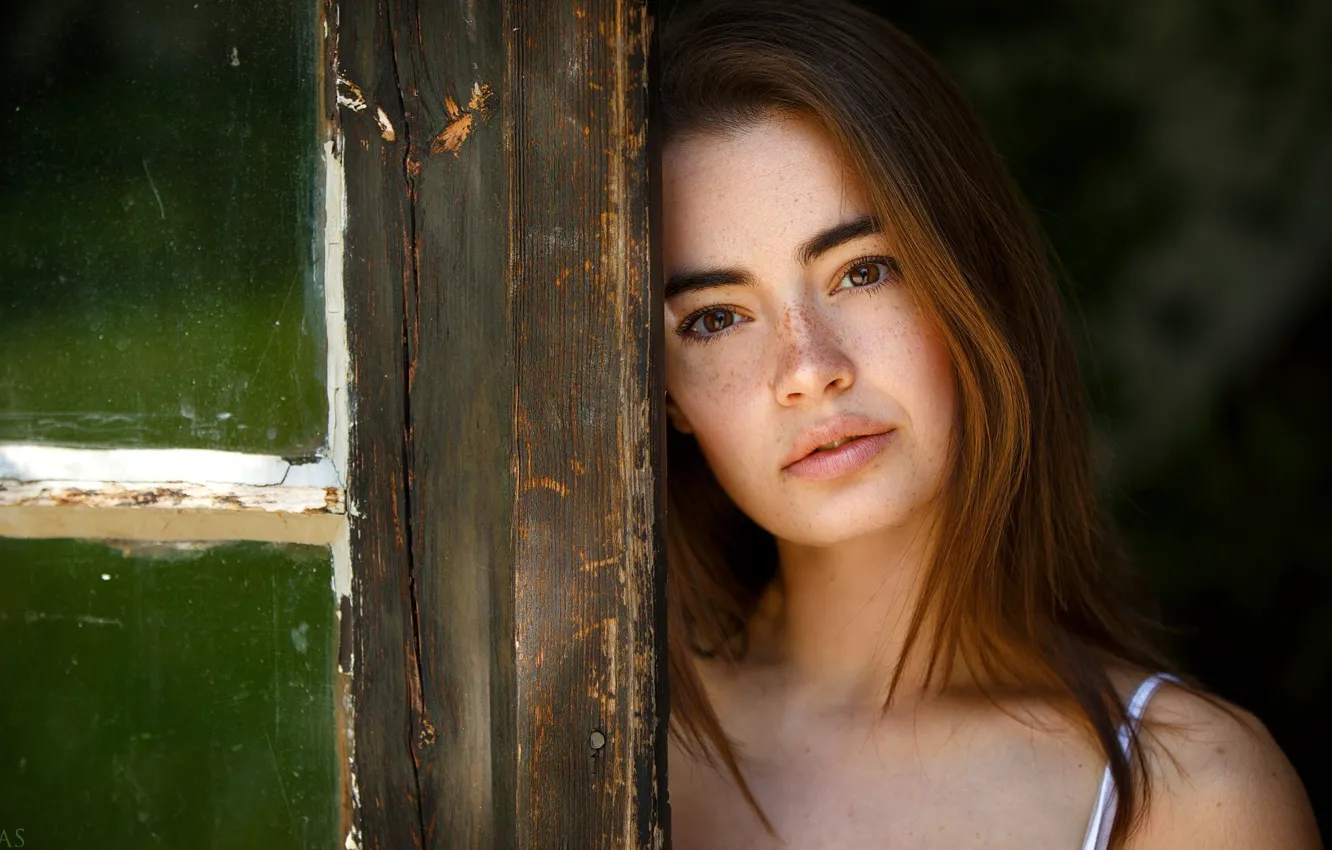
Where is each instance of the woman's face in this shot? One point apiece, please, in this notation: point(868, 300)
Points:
point(784, 315)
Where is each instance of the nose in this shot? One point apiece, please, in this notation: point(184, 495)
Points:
point(811, 360)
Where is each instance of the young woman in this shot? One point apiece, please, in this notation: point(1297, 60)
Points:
point(898, 619)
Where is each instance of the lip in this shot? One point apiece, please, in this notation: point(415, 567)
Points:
point(838, 428)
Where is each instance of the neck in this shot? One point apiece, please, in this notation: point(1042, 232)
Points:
point(834, 621)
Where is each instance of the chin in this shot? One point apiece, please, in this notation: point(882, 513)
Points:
point(825, 528)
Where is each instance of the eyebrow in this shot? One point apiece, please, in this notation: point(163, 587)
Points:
point(809, 251)
point(835, 236)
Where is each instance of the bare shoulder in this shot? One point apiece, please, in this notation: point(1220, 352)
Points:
point(1219, 780)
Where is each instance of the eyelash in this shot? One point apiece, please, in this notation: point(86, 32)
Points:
point(892, 275)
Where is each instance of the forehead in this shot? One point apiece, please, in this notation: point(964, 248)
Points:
point(752, 194)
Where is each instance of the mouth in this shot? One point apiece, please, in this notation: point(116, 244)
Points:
point(835, 445)
point(832, 436)
point(841, 458)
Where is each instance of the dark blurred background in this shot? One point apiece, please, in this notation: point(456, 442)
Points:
point(1179, 153)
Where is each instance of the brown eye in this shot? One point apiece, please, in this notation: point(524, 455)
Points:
point(716, 320)
point(867, 273)
point(710, 322)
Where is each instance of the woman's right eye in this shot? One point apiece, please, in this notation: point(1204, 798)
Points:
point(707, 323)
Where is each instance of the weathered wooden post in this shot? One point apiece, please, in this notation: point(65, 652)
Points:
point(507, 459)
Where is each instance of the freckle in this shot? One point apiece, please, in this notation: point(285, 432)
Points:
point(1220, 751)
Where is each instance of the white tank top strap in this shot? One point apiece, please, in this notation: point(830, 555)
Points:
point(1103, 813)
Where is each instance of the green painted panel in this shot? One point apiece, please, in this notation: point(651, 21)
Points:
point(160, 200)
point(160, 697)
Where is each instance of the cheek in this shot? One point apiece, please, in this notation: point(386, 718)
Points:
point(935, 381)
point(707, 384)
point(911, 365)
point(932, 407)
point(717, 395)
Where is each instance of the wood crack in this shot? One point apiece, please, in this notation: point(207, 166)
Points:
point(421, 733)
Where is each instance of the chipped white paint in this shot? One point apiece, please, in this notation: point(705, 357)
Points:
point(347, 718)
point(353, 98)
point(339, 355)
point(197, 466)
point(341, 546)
point(183, 494)
point(335, 311)
point(340, 405)
point(386, 131)
point(170, 495)
point(172, 510)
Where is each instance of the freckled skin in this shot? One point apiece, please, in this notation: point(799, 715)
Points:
point(800, 353)
point(804, 707)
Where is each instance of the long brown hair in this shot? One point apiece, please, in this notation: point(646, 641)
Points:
point(1027, 586)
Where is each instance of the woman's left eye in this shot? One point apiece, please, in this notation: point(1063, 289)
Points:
point(868, 272)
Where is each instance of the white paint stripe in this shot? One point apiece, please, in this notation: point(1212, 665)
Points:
point(339, 356)
point(128, 466)
point(171, 495)
point(341, 546)
point(335, 314)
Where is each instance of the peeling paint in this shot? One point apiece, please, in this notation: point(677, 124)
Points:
point(452, 137)
point(20, 462)
point(354, 98)
point(339, 353)
point(386, 131)
point(462, 121)
point(480, 100)
point(176, 496)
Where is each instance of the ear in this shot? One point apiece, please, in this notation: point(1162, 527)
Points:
point(677, 417)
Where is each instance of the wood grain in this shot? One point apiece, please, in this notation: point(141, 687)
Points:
point(386, 676)
point(588, 454)
point(507, 452)
point(461, 407)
